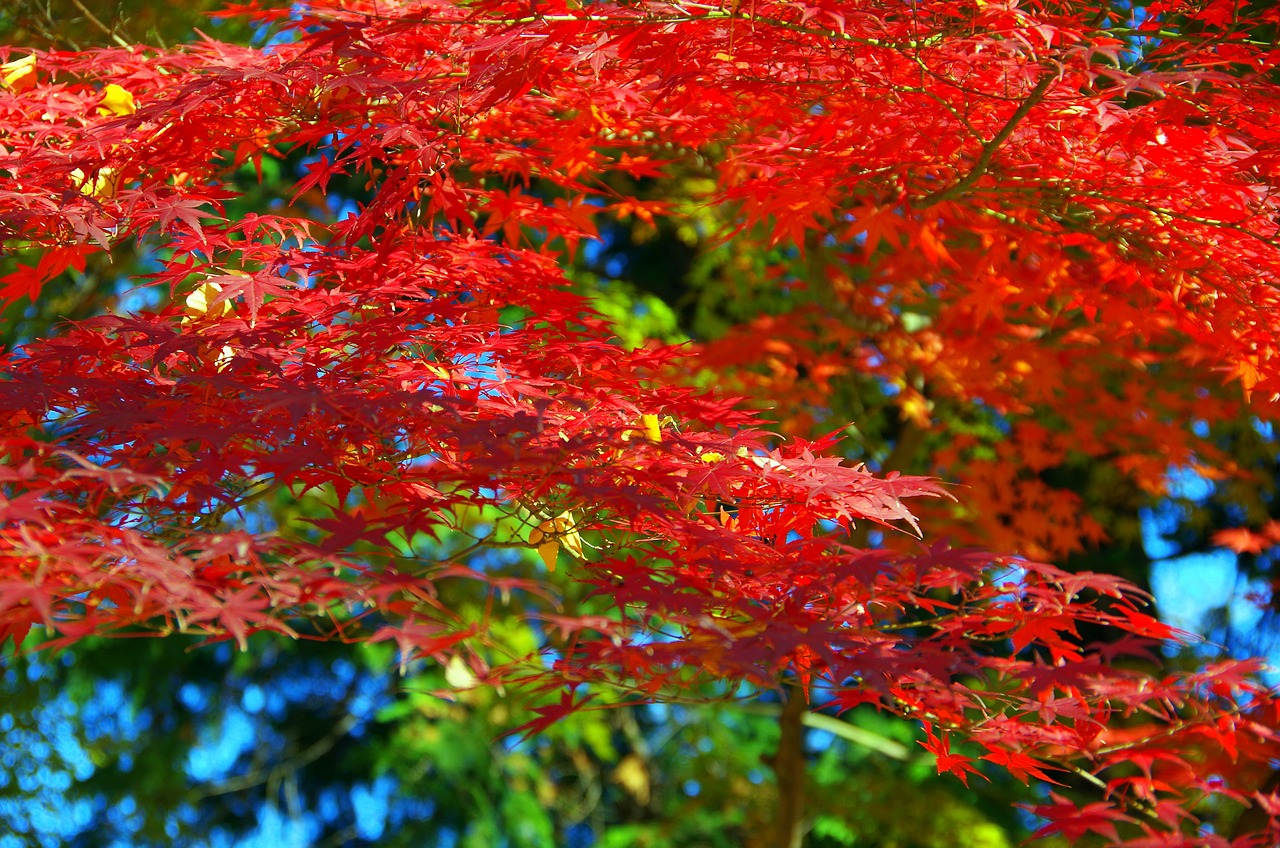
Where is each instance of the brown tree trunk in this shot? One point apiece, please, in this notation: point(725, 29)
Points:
point(789, 767)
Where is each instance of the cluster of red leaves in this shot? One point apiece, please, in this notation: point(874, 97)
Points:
point(1026, 216)
point(1242, 540)
point(418, 357)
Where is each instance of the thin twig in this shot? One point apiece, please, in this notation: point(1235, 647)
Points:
point(258, 777)
point(93, 19)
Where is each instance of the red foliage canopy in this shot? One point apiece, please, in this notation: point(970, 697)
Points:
point(1075, 211)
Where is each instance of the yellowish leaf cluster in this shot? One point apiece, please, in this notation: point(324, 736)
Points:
point(101, 185)
point(116, 101)
point(548, 537)
point(19, 75)
point(201, 302)
point(650, 427)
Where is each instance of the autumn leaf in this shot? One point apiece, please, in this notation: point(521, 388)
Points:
point(19, 75)
point(649, 426)
point(458, 674)
point(254, 287)
point(548, 537)
point(205, 301)
point(1248, 370)
point(101, 183)
point(117, 101)
point(947, 762)
point(1019, 764)
point(1242, 541)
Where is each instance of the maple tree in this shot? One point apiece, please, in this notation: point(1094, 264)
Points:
point(1052, 219)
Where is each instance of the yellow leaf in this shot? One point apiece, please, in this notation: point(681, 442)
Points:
point(103, 183)
point(915, 407)
point(459, 675)
point(116, 100)
point(711, 456)
point(546, 546)
point(19, 75)
point(550, 535)
point(632, 775)
point(650, 425)
point(548, 550)
point(564, 527)
point(201, 301)
point(652, 430)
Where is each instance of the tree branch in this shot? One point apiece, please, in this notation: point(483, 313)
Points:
point(260, 776)
point(93, 19)
point(989, 149)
